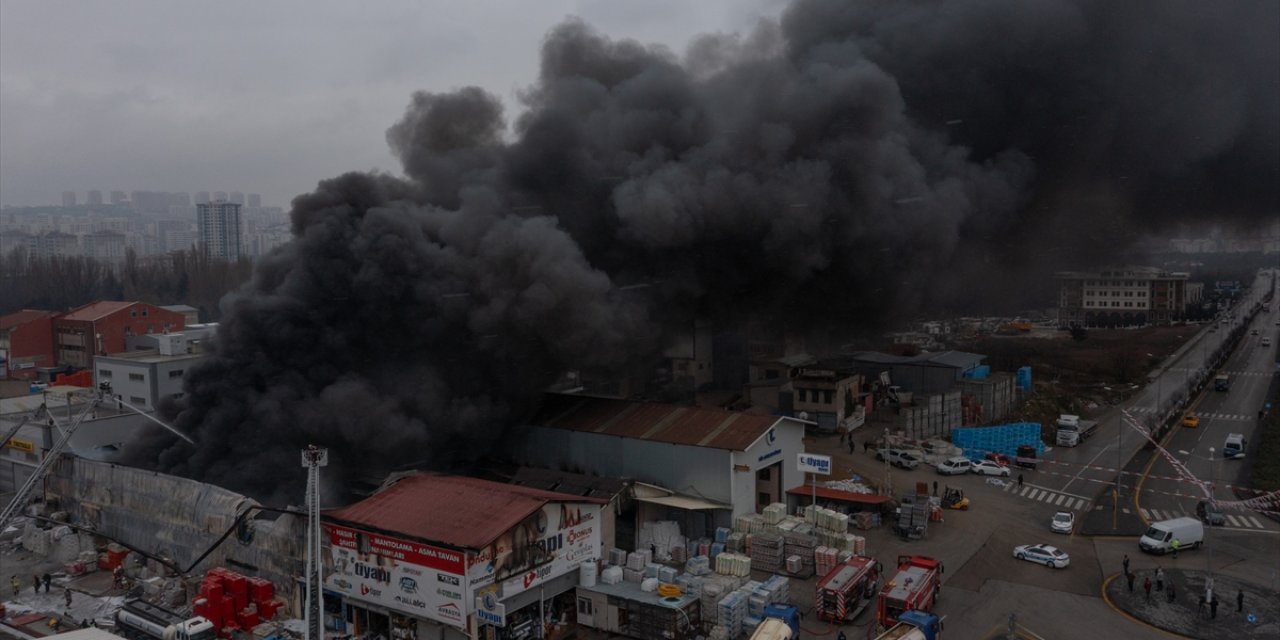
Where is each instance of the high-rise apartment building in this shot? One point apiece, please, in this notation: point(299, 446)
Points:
point(202, 197)
point(236, 197)
point(68, 198)
point(255, 200)
point(219, 195)
point(219, 225)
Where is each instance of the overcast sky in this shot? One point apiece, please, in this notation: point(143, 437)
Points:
point(267, 97)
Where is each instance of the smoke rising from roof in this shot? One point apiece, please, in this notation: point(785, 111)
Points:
point(847, 164)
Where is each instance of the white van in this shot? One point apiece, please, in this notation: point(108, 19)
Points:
point(1189, 532)
point(1234, 447)
point(954, 466)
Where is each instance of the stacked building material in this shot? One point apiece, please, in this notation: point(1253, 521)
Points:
point(735, 542)
point(632, 575)
point(865, 520)
point(776, 589)
point(774, 513)
point(731, 611)
point(766, 552)
point(617, 557)
point(611, 575)
point(733, 564)
point(824, 559)
point(800, 546)
point(749, 523)
point(698, 565)
point(232, 601)
point(662, 536)
point(977, 442)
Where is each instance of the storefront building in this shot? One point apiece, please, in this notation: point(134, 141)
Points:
point(438, 557)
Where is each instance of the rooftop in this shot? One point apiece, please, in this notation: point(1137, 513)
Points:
point(654, 422)
point(571, 483)
point(458, 511)
point(22, 317)
point(96, 310)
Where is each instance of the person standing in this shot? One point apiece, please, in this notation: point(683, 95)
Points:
point(16, 584)
point(35, 583)
point(1125, 562)
point(1159, 579)
point(1019, 480)
point(46, 578)
point(1146, 586)
point(66, 593)
point(852, 448)
point(1175, 544)
point(1129, 576)
point(1240, 601)
point(1172, 597)
point(935, 488)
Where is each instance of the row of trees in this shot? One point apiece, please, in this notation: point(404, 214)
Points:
point(58, 283)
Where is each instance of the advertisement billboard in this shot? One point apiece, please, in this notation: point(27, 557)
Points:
point(549, 543)
point(408, 577)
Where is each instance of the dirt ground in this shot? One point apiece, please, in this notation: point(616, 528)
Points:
point(1079, 376)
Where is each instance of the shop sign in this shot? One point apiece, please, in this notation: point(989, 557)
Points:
point(490, 611)
point(407, 577)
point(21, 445)
point(812, 463)
point(553, 541)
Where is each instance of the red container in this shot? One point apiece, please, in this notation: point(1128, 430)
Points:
point(228, 608)
point(261, 589)
point(117, 557)
point(267, 609)
point(247, 619)
point(212, 590)
point(237, 584)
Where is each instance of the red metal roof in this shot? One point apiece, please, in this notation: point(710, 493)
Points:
point(95, 310)
point(654, 422)
point(453, 510)
point(837, 494)
point(22, 317)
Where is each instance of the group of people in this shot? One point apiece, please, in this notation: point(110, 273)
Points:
point(1211, 603)
point(36, 583)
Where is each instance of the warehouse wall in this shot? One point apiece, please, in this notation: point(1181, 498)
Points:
point(179, 519)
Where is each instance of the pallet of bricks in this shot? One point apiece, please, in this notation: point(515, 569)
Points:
point(833, 531)
point(775, 590)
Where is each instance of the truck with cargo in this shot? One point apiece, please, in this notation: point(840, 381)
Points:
point(1222, 382)
point(1189, 532)
point(914, 625)
point(847, 589)
point(1072, 430)
point(141, 620)
point(914, 587)
point(1026, 457)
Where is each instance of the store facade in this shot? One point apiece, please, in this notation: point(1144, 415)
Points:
point(446, 557)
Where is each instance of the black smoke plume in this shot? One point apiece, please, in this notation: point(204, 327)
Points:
point(843, 166)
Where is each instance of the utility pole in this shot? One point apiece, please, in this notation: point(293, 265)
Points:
point(313, 458)
point(1208, 584)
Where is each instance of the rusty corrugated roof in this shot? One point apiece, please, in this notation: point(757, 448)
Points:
point(675, 424)
point(457, 511)
point(95, 310)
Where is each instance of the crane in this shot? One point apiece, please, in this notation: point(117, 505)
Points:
point(313, 458)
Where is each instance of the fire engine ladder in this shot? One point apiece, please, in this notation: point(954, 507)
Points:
point(14, 431)
point(46, 463)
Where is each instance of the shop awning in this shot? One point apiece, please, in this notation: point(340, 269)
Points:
point(838, 495)
point(654, 494)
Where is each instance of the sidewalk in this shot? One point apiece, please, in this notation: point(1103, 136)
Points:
point(1183, 616)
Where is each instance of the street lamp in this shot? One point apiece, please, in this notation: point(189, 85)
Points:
point(1208, 585)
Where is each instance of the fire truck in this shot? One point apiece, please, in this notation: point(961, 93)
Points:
point(914, 587)
point(847, 589)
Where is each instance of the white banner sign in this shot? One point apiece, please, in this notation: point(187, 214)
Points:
point(813, 463)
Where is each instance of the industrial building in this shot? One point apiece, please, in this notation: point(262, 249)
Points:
point(100, 328)
point(702, 466)
point(1121, 296)
point(26, 343)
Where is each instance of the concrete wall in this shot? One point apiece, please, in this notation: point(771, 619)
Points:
point(179, 519)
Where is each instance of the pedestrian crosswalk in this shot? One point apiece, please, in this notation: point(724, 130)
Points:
point(1204, 416)
point(1062, 500)
point(1238, 521)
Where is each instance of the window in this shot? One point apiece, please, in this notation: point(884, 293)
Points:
point(137, 377)
point(176, 373)
point(764, 474)
point(141, 402)
point(144, 312)
point(104, 374)
point(584, 606)
point(765, 498)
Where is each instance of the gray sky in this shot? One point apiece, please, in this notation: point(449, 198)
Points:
point(267, 97)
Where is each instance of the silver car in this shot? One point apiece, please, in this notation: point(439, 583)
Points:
point(1047, 555)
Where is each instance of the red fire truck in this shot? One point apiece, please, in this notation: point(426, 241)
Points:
point(914, 587)
point(847, 589)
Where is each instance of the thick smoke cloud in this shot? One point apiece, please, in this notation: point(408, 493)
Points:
point(846, 165)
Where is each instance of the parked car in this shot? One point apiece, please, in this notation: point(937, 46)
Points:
point(954, 466)
point(1210, 514)
point(1063, 522)
point(1253, 332)
point(989, 468)
point(898, 458)
point(1191, 420)
point(998, 458)
point(1044, 554)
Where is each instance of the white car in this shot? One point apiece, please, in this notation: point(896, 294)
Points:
point(1063, 522)
point(989, 468)
point(954, 466)
point(1044, 554)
